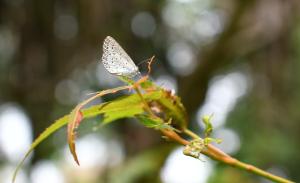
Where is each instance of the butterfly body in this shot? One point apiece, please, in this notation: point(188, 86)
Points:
point(116, 61)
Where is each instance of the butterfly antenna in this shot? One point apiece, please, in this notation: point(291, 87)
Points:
point(146, 60)
point(143, 61)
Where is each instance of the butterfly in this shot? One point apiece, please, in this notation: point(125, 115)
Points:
point(116, 61)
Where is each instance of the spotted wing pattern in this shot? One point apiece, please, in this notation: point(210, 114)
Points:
point(116, 61)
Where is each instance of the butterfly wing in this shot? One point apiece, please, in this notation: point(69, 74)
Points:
point(116, 61)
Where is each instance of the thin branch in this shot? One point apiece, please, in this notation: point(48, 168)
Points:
point(218, 155)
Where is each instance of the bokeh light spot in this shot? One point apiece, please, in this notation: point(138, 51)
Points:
point(143, 24)
point(182, 169)
point(230, 140)
point(222, 95)
point(15, 132)
point(181, 58)
point(167, 82)
point(6, 175)
point(46, 172)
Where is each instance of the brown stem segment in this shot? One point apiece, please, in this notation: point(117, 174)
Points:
point(174, 136)
point(212, 151)
point(218, 155)
point(250, 168)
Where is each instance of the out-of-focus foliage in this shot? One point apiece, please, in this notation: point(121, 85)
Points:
point(236, 59)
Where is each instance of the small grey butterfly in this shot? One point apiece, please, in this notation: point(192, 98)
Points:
point(116, 61)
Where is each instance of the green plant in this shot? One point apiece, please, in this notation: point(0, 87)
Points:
point(154, 107)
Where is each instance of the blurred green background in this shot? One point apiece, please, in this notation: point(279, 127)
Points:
point(239, 60)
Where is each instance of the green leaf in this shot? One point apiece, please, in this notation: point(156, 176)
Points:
point(208, 126)
point(147, 84)
point(109, 108)
point(143, 82)
point(76, 117)
point(148, 122)
point(155, 123)
point(174, 109)
point(122, 113)
point(208, 140)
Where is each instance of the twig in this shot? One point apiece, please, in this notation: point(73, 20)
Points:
point(218, 155)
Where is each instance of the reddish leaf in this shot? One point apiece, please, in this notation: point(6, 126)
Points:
point(75, 119)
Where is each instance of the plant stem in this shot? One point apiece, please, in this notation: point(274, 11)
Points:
point(174, 136)
point(191, 134)
point(221, 156)
point(212, 151)
point(147, 107)
point(255, 170)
